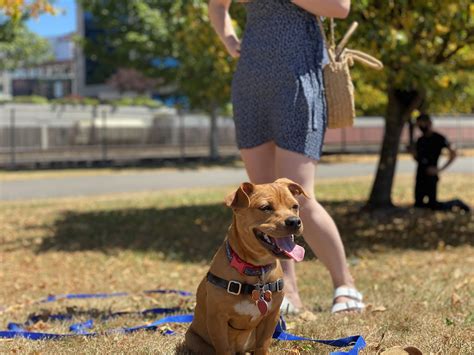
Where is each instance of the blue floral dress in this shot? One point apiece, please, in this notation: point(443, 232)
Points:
point(277, 89)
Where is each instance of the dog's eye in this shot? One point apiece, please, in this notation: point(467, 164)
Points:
point(266, 208)
point(295, 207)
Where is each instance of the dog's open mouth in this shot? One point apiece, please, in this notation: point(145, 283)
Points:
point(282, 247)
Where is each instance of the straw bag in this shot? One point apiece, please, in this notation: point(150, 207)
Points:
point(337, 77)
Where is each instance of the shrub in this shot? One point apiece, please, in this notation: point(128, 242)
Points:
point(76, 100)
point(136, 101)
point(34, 99)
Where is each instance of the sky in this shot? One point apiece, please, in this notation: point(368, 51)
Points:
point(64, 22)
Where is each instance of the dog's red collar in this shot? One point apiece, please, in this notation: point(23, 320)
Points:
point(244, 267)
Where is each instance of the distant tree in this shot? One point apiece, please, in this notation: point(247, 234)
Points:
point(427, 49)
point(19, 47)
point(25, 49)
point(128, 34)
point(126, 79)
point(139, 34)
point(19, 9)
point(205, 69)
point(14, 12)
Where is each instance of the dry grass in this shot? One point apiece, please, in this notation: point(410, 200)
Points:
point(415, 267)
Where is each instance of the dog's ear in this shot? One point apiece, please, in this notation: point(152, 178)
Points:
point(295, 189)
point(241, 197)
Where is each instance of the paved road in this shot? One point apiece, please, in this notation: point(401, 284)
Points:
point(162, 180)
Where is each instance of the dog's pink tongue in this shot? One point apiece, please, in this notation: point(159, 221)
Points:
point(288, 246)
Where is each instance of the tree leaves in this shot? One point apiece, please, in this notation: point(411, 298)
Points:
point(18, 9)
point(205, 71)
point(23, 50)
point(422, 45)
point(128, 34)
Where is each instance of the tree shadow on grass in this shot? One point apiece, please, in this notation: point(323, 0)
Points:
point(193, 233)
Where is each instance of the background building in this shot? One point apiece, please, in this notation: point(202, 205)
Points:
point(52, 79)
point(88, 82)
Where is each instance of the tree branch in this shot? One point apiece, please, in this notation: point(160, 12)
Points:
point(441, 57)
point(450, 54)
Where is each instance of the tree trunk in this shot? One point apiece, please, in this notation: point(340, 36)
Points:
point(399, 108)
point(214, 135)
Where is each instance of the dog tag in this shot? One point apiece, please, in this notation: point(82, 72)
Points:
point(262, 306)
point(267, 296)
point(255, 295)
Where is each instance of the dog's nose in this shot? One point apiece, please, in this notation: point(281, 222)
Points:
point(293, 222)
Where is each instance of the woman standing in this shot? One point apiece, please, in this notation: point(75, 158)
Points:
point(280, 117)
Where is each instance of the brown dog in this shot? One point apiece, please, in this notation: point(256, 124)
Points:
point(238, 302)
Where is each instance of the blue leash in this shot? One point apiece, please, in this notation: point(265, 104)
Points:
point(52, 298)
point(356, 341)
point(18, 330)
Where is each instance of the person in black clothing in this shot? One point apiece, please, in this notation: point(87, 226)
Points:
point(427, 152)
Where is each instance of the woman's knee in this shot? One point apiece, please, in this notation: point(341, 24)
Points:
point(308, 206)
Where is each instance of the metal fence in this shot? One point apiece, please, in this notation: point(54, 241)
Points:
point(42, 135)
point(35, 135)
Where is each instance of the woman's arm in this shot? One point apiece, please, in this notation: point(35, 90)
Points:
point(222, 23)
point(327, 8)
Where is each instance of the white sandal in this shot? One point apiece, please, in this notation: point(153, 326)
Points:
point(355, 304)
point(288, 308)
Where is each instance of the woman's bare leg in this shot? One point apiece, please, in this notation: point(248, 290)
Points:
point(320, 231)
point(260, 163)
point(266, 163)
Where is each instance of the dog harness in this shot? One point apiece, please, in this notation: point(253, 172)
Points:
point(237, 288)
point(261, 292)
point(244, 267)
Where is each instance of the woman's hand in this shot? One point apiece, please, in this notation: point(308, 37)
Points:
point(232, 44)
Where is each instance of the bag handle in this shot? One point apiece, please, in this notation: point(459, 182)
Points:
point(363, 58)
point(332, 44)
point(335, 52)
point(323, 32)
point(345, 39)
point(329, 47)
